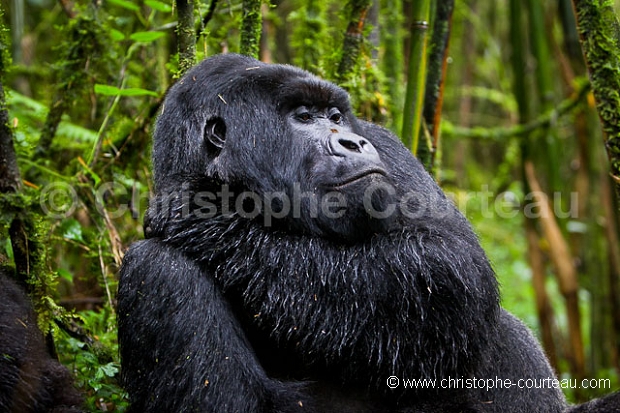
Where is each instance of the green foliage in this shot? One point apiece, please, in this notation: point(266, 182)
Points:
point(309, 34)
point(158, 6)
point(85, 41)
point(95, 364)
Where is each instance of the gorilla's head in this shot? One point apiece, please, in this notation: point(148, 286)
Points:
point(277, 144)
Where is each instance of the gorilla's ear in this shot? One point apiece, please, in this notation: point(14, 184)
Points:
point(215, 132)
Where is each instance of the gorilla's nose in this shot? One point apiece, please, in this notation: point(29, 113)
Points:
point(352, 146)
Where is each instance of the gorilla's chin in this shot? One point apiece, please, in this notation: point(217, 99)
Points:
point(372, 210)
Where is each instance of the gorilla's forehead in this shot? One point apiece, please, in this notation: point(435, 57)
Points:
point(311, 91)
point(226, 77)
point(290, 87)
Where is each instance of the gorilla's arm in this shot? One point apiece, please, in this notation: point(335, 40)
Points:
point(181, 347)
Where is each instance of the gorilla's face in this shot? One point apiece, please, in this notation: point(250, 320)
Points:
point(344, 157)
point(287, 144)
point(341, 169)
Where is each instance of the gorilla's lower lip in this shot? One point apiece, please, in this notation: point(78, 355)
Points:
point(358, 176)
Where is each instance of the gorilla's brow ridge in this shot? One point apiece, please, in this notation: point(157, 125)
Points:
point(312, 92)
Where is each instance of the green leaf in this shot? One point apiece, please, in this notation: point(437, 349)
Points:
point(62, 273)
point(158, 5)
point(117, 35)
point(136, 91)
point(76, 133)
point(106, 90)
point(125, 4)
point(72, 230)
point(146, 37)
point(109, 369)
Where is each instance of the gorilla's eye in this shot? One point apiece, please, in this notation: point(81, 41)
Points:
point(336, 117)
point(304, 116)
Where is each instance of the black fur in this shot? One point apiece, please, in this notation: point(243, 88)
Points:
point(250, 294)
point(30, 380)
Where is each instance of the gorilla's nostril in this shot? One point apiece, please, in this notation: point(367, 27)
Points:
point(350, 145)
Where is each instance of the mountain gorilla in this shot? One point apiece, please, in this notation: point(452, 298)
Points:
point(300, 260)
point(31, 380)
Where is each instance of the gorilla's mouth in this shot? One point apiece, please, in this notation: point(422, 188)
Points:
point(366, 173)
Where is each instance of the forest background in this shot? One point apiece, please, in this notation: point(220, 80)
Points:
point(497, 103)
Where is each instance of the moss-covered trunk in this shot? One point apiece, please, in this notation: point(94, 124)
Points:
point(600, 40)
point(186, 34)
point(353, 38)
point(251, 26)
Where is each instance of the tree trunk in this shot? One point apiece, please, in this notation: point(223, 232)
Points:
point(600, 33)
point(251, 28)
point(186, 34)
point(353, 38)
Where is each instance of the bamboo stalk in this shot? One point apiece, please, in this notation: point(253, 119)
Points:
point(436, 73)
point(546, 148)
point(544, 310)
point(392, 59)
point(545, 317)
point(416, 74)
point(613, 279)
point(517, 60)
point(564, 269)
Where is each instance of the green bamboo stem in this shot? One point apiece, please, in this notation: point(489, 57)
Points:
point(392, 60)
point(599, 31)
point(535, 256)
point(544, 75)
point(416, 74)
point(437, 65)
point(517, 60)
